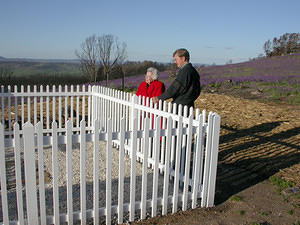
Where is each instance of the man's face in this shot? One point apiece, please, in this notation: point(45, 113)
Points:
point(180, 61)
point(148, 77)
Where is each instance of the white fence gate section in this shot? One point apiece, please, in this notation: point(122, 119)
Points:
point(135, 158)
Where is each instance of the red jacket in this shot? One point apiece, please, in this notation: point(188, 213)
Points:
point(142, 90)
point(155, 89)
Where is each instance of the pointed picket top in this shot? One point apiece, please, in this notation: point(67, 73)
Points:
point(27, 125)
point(82, 123)
point(54, 125)
point(16, 126)
point(69, 124)
point(39, 126)
point(134, 99)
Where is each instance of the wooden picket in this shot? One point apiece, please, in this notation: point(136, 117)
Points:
point(5, 218)
point(17, 151)
point(30, 174)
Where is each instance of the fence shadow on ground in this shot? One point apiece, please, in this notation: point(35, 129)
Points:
point(249, 156)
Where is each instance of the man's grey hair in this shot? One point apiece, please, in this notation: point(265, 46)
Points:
point(154, 71)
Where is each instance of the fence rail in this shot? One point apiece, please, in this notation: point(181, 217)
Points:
point(172, 149)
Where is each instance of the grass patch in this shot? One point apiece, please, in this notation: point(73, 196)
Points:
point(236, 86)
point(289, 94)
point(266, 213)
point(290, 212)
point(215, 85)
point(242, 212)
point(294, 99)
point(236, 198)
point(297, 196)
point(278, 191)
point(279, 182)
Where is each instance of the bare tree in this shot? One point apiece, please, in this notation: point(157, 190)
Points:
point(88, 56)
point(293, 44)
point(287, 43)
point(268, 48)
point(111, 53)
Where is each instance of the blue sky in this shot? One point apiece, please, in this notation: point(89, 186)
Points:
point(213, 31)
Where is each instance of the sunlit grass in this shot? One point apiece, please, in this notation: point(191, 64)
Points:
point(279, 182)
point(236, 198)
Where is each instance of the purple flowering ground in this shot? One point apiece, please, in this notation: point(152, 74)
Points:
point(278, 76)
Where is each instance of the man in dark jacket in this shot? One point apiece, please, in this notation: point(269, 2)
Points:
point(185, 89)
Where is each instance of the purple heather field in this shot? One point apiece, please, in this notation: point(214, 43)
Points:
point(280, 73)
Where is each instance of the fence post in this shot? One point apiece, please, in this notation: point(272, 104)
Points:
point(198, 162)
point(145, 164)
point(207, 161)
point(177, 163)
point(187, 163)
point(94, 105)
point(133, 113)
point(2, 104)
point(156, 146)
point(69, 172)
point(18, 173)
point(30, 174)
point(121, 172)
point(167, 165)
point(55, 173)
point(213, 160)
point(108, 171)
point(39, 132)
point(133, 140)
point(3, 177)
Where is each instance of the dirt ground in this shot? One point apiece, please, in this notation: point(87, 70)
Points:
point(257, 140)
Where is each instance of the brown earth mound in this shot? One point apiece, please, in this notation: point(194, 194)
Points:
point(258, 137)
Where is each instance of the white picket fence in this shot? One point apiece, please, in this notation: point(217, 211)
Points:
point(181, 150)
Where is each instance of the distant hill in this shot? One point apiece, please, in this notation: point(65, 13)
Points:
point(3, 59)
point(27, 68)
